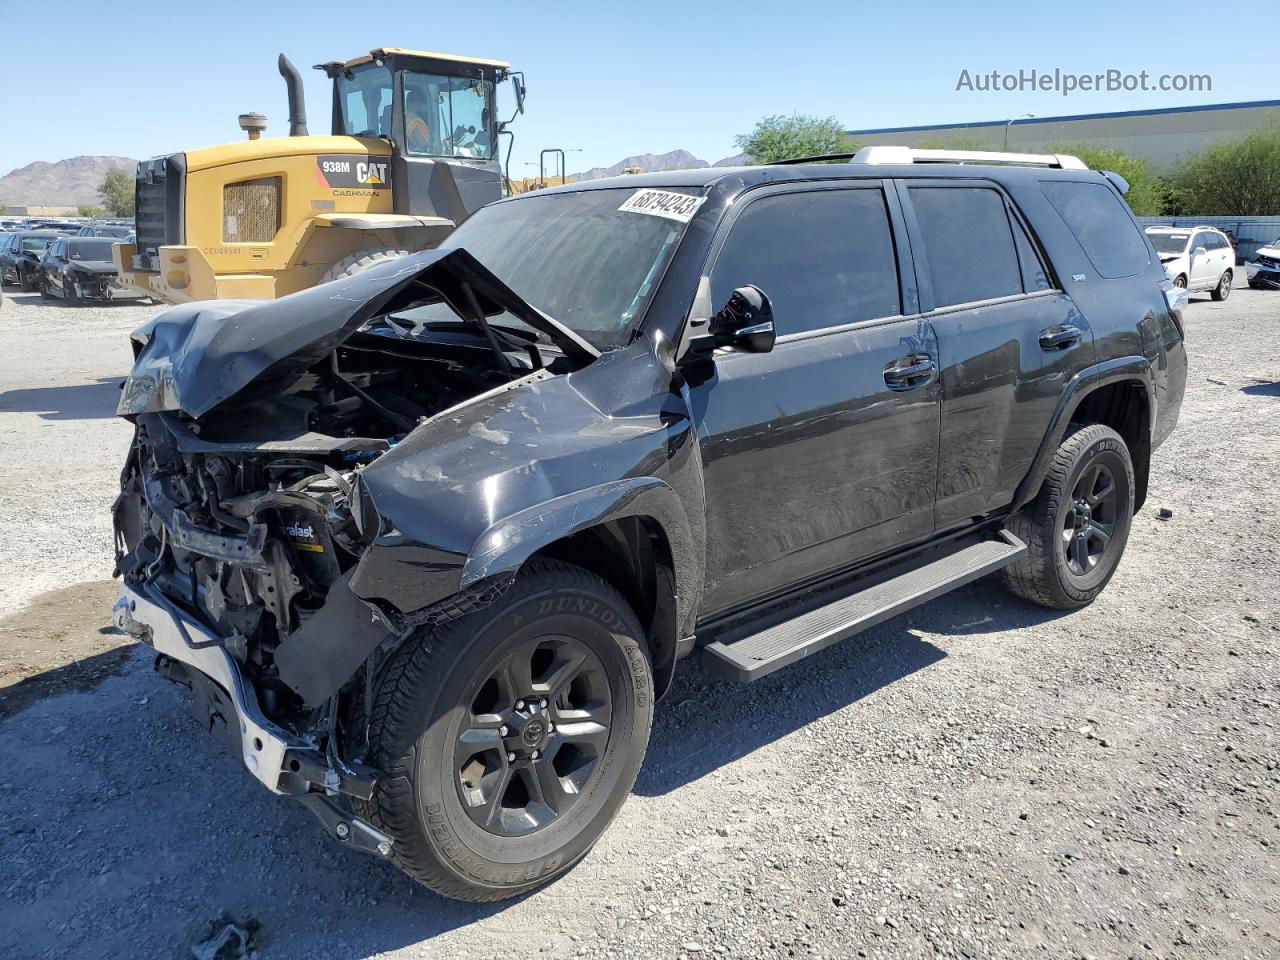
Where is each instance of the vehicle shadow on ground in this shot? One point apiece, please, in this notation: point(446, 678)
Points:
point(81, 401)
point(1262, 389)
point(694, 735)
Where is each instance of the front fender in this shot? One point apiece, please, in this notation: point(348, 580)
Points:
point(509, 542)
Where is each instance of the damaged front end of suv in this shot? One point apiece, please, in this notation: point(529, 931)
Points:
point(268, 546)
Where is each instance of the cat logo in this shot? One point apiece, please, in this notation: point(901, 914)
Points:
point(371, 173)
point(341, 174)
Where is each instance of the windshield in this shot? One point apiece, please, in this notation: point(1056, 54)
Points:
point(574, 256)
point(35, 243)
point(365, 95)
point(96, 248)
point(1166, 243)
point(447, 116)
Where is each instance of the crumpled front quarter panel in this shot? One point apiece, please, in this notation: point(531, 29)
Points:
point(467, 470)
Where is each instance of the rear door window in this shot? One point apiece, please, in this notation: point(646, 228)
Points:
point(968, 243)
point(824, 258)
point(1101, 222)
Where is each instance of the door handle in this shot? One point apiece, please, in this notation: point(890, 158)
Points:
point(907, 373)
point(1060, 337)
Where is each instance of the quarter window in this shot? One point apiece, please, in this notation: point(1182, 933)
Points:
point(1101, 222)
point(968, 243)
point(1034, 276)
point(824, 257)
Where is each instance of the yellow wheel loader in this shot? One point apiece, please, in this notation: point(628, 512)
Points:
point(413, 152)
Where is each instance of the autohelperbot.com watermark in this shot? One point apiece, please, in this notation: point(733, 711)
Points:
point(1067, 82)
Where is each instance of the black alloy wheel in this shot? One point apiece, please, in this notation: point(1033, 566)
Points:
point(1077, 526)
point(533, 736)
point(1089, 524)
point(509, 737)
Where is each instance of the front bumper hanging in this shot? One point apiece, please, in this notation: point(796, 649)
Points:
point(285, 764)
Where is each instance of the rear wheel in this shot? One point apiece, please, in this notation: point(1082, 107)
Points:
point(1077, 527)
point(508, 739)
point(361, 261)
point(1223, 289)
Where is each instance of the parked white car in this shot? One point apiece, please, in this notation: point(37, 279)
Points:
point(1196, 258)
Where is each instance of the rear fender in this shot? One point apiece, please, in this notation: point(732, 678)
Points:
point(1079, 387)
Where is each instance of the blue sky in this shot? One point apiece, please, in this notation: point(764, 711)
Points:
point(140, 79)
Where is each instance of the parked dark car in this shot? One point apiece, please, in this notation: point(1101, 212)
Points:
point(119, 231)
point(79, 269)
point(427, 542)
point(20, 255)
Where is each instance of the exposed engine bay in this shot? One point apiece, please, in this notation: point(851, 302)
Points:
point(246, 515)
point(242, 513)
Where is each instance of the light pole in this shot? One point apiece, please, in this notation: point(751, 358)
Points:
point(1012, 121)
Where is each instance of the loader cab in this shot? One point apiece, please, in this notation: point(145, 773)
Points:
point(439, 113)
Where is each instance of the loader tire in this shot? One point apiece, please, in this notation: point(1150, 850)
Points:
point(362, 260)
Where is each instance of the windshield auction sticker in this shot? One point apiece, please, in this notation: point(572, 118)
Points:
point(663, 203)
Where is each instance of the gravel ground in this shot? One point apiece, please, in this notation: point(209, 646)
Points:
point(978, 778)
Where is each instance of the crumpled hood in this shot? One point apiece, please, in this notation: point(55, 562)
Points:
point(195, 356)
point(92, 266)
point(1268, 251)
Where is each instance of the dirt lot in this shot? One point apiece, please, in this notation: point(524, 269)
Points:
point(978, 778)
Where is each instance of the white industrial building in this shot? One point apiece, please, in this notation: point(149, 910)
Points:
point(1161, 137)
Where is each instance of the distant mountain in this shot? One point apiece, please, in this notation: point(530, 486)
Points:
point(656, 162)
point(63, 183)
point(647, 162)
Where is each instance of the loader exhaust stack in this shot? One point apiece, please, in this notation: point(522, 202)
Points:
point(297, 106)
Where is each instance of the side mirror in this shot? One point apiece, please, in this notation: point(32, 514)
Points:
point(517, 84)
point(744, 323)
point(1198, 252)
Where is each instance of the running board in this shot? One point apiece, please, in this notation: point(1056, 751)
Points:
point(756, 655)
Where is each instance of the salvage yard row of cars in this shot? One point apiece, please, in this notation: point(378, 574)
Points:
point(71, 261)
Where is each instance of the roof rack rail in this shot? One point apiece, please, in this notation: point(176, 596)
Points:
point(817, 158)
point(892, 154)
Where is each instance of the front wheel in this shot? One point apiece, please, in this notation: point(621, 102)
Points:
point(26, 282)
point(509, 738)
point(1180, 282)
point(45, 292)
point(1223, 289)
point(1077, 527)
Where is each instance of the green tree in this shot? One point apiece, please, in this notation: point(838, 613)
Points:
point(781, 138)
point(1148, 194)
point(90, 210)
point(1235, 178)
point(116, 191)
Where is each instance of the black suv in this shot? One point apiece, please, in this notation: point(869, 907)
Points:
point(427, 542)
